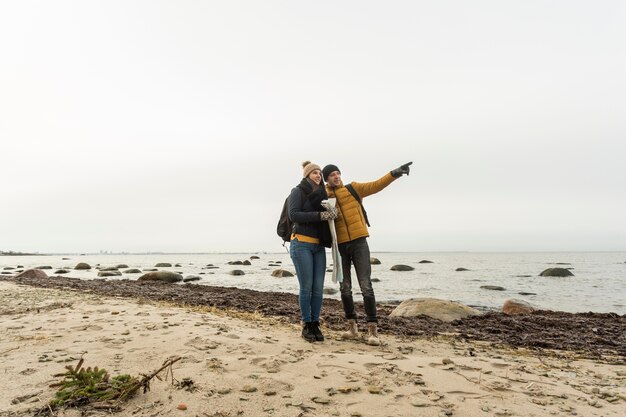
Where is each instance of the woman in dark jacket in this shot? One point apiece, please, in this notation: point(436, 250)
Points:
point(309, 238)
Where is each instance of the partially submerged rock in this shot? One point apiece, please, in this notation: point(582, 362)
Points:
point(444, 310)
point(556, 272)
point(374, 261)
point(492, 287)
point(402, 268)
point(112, 273)
point(281, 273)
point(82, 266)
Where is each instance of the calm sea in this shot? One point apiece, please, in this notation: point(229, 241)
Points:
point(598, 284)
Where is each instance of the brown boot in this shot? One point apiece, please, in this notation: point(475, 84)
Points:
point(352, 332)
point(372, 334)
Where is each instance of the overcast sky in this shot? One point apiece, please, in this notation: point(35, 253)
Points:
point(181, 125)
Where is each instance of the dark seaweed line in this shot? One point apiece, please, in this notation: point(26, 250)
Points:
point(593, 335)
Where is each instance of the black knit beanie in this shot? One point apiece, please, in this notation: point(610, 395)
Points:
point(329, 169)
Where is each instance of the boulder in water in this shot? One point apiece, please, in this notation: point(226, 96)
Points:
point(281, 273)
point(330, 291)
point(402, 268)
point(121, 266)
point(254, 257)
point(164, 276)
point(426, 262)
point(237, 272)
point(461, 269)
point(492, 287)
point(115, 273)
point(132, 271)
point(163, 265)
point(444, 310)
point(514, 306)
point(556, 272)
point(374, 261)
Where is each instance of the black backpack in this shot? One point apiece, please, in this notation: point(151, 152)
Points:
point(284, 229)
point(285, 226)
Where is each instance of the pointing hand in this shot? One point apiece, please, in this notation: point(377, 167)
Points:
point(403, 169)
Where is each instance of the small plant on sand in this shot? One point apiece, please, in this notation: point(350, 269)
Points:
point(94, 387)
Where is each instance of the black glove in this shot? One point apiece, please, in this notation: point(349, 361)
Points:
point(404, 169)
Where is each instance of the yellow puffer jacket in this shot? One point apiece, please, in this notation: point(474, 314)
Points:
point(351, 224)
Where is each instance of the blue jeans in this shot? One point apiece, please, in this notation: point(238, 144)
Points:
point(357, 253)
point(310, 262)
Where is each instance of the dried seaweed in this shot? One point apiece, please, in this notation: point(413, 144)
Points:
point(94, 387)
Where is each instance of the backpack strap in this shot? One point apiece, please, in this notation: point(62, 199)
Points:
point(358, 199)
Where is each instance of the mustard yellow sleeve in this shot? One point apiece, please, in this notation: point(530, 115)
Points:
point(364, 189)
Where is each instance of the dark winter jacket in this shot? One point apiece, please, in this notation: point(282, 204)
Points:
point(304, 207)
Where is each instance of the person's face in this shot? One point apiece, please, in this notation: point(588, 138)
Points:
point(334, 179)
point(316, 176)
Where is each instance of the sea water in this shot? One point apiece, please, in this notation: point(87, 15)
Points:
point(598, 284)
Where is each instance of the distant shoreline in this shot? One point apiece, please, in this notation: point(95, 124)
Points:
point(22, 254)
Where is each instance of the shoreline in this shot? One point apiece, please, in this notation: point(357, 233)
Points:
point(598, 336)
point(248, 364)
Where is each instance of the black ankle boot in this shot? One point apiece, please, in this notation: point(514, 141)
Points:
point(317, 332)
point(307, 332)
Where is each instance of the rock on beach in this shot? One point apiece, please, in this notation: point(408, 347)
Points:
point(443, 310)
point(33, 273)
point(515, 306)
point(164, 276)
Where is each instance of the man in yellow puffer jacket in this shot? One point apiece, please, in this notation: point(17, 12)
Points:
point(352, 232)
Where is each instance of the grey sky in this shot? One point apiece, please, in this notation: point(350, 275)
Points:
point(181, 125)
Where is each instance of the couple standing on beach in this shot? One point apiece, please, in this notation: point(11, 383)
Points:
point(311, 235)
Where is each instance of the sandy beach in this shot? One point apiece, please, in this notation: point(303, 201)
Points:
point(248, 364)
